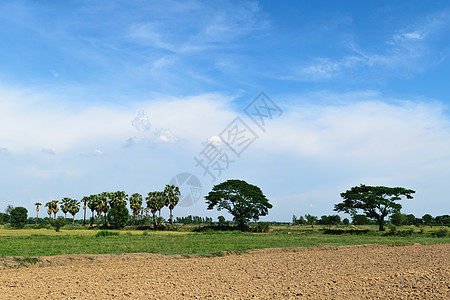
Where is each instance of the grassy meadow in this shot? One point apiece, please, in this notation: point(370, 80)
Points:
point(34, 242)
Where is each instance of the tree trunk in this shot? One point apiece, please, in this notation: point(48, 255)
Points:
point(171, 219)
point(37, 216)
point(380, 224)
point(84, 218)
point(73, 219)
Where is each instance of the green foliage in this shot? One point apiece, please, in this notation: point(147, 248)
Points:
point(26, 260)
point(310, 220)
point(298, 221)
point(330, 220)
point(345, 221)
point(427, 219)
point(103, 233)
point(4, 218)
point(262, 227)
point(376, 202)
point(221, 220)
point(241, 199)
point(118, 216)
point(443, 232)
point(360, 220)
point(194, 220)
point(58, 223)
point(18, 217)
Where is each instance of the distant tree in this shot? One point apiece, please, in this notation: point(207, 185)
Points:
point(18, 217)
point(221, 220)
point(65, 202)
point(52, 207)
point(103, 205)
point(427, 219)
point(360, 220)
point(85, 201)
point(135, 205)
point(37, 204)
point(398, 219)
point(74, 208)
point(118, 216)
point(155, 201)
point(330, 220)
point(171, 196)
point(310, 220)
point(241, 199)
point(8, 209)
point(376, 202)
point(116, 198)
point(57, 223)
point(92, 204)
point(345, 221)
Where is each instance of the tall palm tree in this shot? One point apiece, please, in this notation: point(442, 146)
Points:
point(172, 196)
point(85, 200)
point(37, 211)
point(135, 205)
point(74, 208)
point(103, 206)
point(65, 206)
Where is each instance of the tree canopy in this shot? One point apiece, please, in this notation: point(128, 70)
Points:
point(375, 201)
point(241, 199)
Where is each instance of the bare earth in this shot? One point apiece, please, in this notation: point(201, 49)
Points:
point(407, 272)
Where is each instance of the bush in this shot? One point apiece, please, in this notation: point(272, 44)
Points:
point(407, 232)
point(118, 216)
point(102, 233)
point(441, 232)
point(262, 227)
point(18, 217)
point(58, 223)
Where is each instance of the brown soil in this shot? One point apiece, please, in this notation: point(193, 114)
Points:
point(416, 271)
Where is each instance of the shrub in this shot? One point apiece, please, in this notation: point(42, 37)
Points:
point(18, 217)
point(262, 227)
point(441, 232)
point(407, 232)
point(102, 233)
point(58, 223)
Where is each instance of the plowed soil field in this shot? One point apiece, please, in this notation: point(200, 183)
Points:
point(357, 272)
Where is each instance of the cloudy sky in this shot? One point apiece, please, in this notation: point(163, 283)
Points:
point(124, 95)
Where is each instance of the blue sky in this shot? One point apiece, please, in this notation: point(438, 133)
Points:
point(122, 95)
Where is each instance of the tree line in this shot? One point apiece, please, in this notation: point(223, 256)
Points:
point(109, 205)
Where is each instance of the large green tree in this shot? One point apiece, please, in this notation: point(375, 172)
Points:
point(376, 202)
point(241, 199)
point(18, 217)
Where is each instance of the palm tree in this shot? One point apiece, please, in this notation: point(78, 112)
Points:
point(172, 196)
point(85, 200)
point(65, 206)
point(74, 208)
point(55, 207)
point(135, 204)
point(37, 211)
point(103, 205)
point(117, 198)
point(52, 207)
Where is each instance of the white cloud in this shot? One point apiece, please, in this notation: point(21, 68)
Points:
point(407, 53)
point(93, 153)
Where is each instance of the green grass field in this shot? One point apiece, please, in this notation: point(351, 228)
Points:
point(48, 242)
